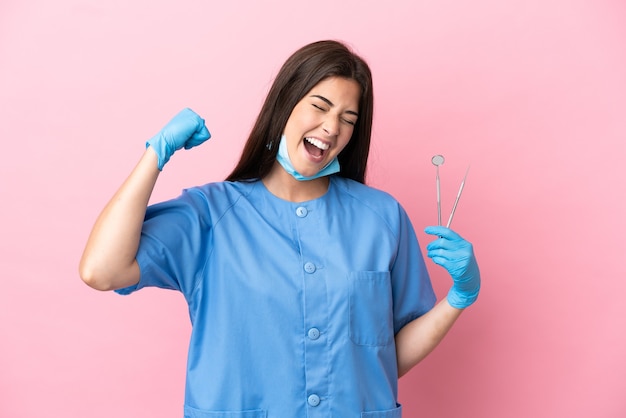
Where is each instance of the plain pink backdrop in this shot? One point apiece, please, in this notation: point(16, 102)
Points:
point(531, 93)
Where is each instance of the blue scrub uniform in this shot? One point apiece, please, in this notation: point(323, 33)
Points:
point(294, 306)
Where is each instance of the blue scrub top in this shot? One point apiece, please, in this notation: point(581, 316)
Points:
point(294, 306)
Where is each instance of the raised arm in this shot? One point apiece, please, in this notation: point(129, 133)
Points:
point(419, 337)
point(109, 259)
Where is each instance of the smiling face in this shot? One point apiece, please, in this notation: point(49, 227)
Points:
point(321, 124)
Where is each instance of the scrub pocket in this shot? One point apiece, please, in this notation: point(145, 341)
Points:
point(371, 316)
point(391, 413)
point(197, 413)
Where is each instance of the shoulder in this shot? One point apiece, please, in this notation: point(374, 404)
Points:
point(366, 195)
point(378, 202)
point(210, 200)
point(223, 190)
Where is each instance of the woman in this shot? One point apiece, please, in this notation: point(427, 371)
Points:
point(307, 290)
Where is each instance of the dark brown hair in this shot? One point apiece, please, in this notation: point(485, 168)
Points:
point(301, 72)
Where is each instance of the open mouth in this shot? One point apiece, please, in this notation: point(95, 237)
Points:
point(315, 147)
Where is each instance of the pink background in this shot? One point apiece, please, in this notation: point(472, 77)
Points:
point(531, 93)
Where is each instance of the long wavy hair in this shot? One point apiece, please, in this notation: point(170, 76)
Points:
point(301, 72)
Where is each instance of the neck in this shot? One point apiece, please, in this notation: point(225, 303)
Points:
point(282, 185)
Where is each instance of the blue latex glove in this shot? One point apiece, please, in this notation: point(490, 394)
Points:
point(457, 256)
point(186, 129)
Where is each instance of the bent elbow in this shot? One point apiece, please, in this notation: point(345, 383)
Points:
point(92, 279)
point(95, 275)
point(103, 277)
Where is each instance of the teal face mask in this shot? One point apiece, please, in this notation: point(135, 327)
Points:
point(283, 158)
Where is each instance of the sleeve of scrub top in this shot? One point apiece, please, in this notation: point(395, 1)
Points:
point(413, 294)
point(174, 244)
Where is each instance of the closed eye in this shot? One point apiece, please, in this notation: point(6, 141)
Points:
point(329, 103)
point(345, 120)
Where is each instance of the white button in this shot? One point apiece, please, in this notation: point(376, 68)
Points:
point(313, 400)
point(301, 211)
point(314, 333)
point(309, 268)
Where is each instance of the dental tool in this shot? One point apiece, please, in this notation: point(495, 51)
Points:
point(437, 160)
point(458, 196)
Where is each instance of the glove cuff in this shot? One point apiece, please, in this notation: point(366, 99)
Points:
point(160, 148)
point(461, 300)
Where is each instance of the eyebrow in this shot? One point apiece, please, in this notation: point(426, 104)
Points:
point(331, 104)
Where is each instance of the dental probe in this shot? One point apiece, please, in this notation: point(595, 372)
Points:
point(456, 201)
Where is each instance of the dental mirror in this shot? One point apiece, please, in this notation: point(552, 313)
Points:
point(437, 160)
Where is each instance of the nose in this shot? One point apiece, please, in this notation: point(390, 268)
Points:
point(331, 125)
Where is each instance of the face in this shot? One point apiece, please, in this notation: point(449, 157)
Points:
point(321, 124)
